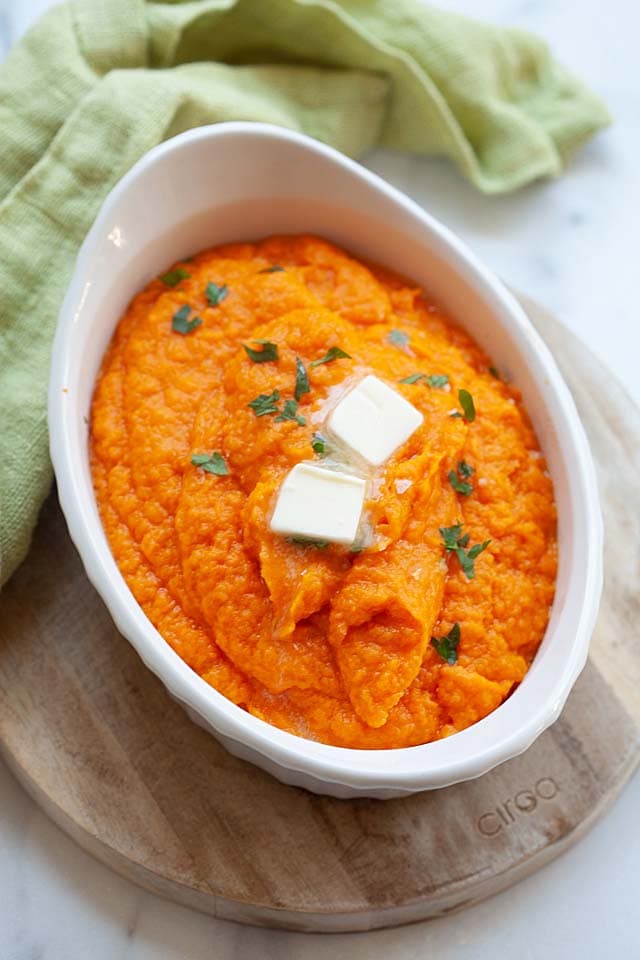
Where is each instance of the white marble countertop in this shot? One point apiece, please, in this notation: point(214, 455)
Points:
point(571, 244)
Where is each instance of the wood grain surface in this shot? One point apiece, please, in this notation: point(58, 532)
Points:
point(96, 740)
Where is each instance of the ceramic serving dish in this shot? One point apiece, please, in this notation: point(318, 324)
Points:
point(237, 181)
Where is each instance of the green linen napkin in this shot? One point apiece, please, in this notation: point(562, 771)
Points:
point(95, 84)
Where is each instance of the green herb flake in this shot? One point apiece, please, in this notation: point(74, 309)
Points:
point(460, 480)
point(302, 380)
point(319, 444)
point(478, 549)
point(466, 402)
point(413, 378)
point(211, 463)
point(333, 353)
point(454, 543)
point(181, 323)
point(460, 486)
point(447, 646)
point(494, 373)
point(438, 380)
point(216, 294)
point(265, 404)
point(451, 535)
point(173, 277)
point(467, 561)
point(307, 542)
point(274, 268)
point(269, 351)
point(398, 338)
point(290, 412)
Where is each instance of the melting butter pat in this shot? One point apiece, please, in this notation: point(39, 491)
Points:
point(319, 504)
point(374, 420)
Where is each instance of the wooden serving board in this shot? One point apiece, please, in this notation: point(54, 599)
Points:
point(99, 744)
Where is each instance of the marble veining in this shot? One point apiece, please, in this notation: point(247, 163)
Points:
point(571, 243)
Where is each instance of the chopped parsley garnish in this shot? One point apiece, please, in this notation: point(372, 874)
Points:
point(398, 338)
point(455, 543)
point(173, 277)
point(302, 380)
point(447, 646)
point(333, 353)
point(307, 542)
point(466, 402)
point(435, 380)
point(438, 380)
point(265, 404)
point(211, 463)
point(451, 536)
point(494, 372)
point(290, 412)
point(181, 323)
point(269, 351)
point(319, 444)
point(467, 561)
point(461, 485)
point(216, 294)
point(274, 268)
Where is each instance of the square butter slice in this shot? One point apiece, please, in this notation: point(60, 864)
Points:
point(374, 420)
point(319, 504)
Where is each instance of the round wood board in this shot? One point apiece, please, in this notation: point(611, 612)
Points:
point(116, 763)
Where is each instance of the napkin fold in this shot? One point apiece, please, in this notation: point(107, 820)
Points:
point(97, 83)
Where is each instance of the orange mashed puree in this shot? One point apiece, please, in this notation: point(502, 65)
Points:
point(328, 644)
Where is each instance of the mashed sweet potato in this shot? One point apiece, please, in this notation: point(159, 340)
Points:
point(330, 644)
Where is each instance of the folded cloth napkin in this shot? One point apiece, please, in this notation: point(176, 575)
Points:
point(97, 83)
